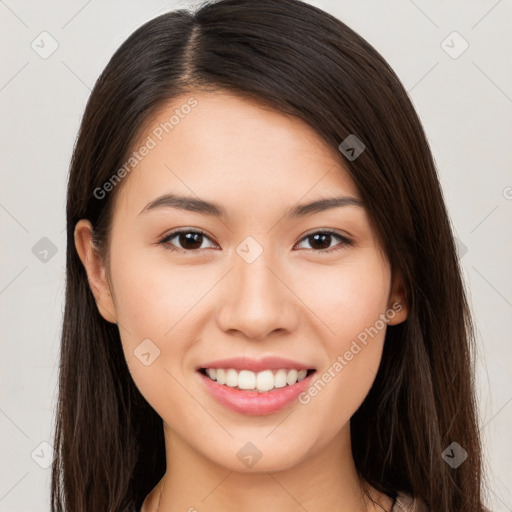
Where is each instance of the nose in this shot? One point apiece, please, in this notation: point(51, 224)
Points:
point(257, 299)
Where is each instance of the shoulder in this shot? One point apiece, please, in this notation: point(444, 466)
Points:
point(406, 503)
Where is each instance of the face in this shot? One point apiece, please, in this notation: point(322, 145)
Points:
point(260, 278)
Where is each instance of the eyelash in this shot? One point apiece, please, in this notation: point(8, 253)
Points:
point(344, 240)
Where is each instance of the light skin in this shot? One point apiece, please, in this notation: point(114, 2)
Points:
point(207, 302)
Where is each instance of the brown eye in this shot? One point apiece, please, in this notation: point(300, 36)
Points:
point(187, 240)
point(192, 240)
point(320, 241)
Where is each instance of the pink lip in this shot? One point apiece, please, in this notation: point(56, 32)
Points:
point(256, 365)
point(255, 403)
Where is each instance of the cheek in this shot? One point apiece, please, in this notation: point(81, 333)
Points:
point(154, 297)
point(157, 304)
point(350, 301)
point(348, 297)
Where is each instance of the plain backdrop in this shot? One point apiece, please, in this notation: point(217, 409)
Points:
point(464, 99)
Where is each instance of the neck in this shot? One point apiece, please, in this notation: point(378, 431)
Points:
point(325, 480)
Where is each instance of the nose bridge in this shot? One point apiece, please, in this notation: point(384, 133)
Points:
point(257, 280)
point(257, 302)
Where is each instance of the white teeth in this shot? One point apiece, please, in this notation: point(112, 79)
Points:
point(232, 378)
point(221, 376)
point(246, 379)
point(251, 381)
point(301, 375)
point(291, 378)
point(265, 380)
point(280, 378)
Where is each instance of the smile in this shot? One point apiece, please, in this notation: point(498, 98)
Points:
point(248, 380)
point(255, 387)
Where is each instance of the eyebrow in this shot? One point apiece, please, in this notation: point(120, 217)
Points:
point(216, 210)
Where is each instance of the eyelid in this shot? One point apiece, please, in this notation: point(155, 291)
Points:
point(345, 240)
point(330, 231)
point(169, 236)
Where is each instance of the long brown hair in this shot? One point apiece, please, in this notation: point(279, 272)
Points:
point(299, 60)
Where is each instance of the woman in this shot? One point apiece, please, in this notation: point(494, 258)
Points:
point(260, 366)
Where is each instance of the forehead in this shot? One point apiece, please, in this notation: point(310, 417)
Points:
point(232, 150)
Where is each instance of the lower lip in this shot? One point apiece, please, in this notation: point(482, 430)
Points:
point(255, 403)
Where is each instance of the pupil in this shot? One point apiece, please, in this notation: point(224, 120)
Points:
point(190, 238)
point(323, 236)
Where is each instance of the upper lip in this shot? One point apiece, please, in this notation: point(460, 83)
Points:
point(256, 365)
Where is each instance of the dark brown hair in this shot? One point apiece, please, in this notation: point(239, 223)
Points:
point(299, 60)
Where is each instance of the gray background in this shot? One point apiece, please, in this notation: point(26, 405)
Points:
point(464, 101)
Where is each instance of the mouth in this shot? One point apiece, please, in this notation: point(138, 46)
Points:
point(255, 387)
point(257, 382)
